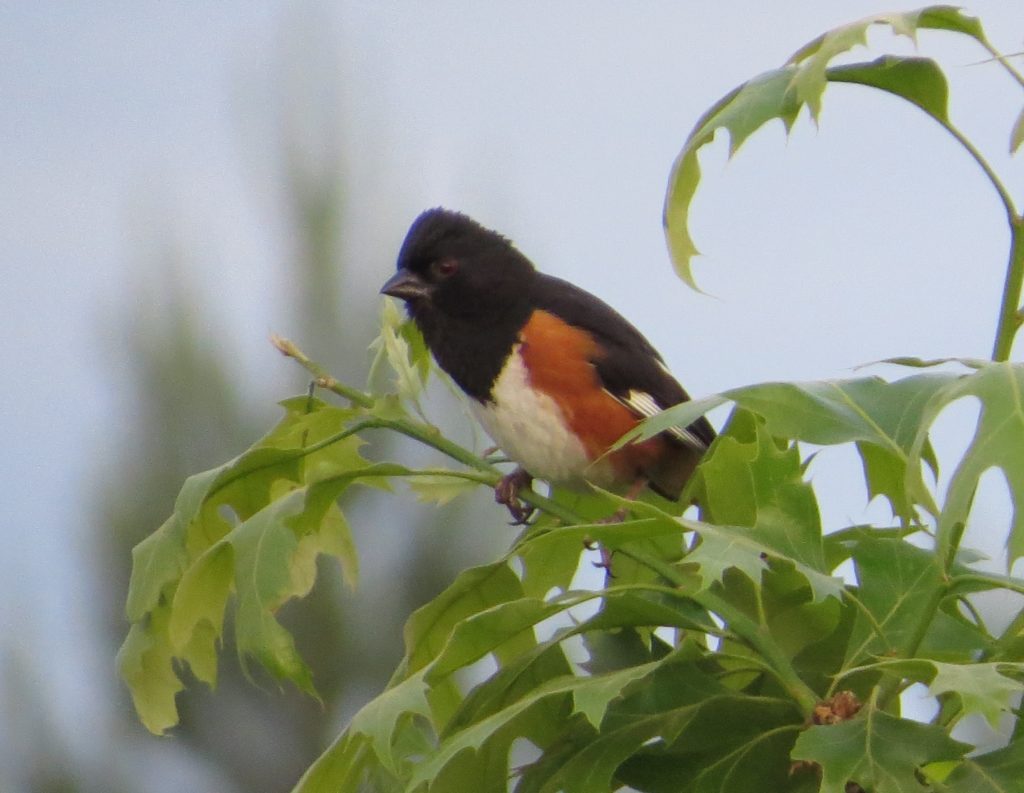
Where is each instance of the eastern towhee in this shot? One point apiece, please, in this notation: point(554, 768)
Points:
point(554, 374)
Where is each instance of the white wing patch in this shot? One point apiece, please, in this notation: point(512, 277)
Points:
point(644, 404)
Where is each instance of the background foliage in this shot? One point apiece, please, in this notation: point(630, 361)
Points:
point(725, 653)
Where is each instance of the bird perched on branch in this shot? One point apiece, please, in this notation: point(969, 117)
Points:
point(554, 374)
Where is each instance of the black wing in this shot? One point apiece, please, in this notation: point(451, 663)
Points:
point(630, 367)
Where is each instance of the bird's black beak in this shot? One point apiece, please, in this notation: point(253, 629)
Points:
point(408, 286)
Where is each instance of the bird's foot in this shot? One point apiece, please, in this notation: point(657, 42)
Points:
point(506, 492)
point(616, 517)
point(606, 556)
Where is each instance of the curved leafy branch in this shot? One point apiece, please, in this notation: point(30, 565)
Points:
point(782, 93)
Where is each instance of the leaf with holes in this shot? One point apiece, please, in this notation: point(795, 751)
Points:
point(187, 570)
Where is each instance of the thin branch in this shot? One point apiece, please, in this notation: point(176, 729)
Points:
point(742, 626)
point(323, 378)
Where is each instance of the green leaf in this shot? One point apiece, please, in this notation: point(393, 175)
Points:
point(378, 719)
point(201, 597)
point(926, 363)
point(980, 688)
point(343, 766)
point(757, 505)
point(322, 528)
point(886, 420)
point(740, 112)
point(782, 93)
point(997, 443)
point(724, 743)
point(428, 629)
point(639, 608)
point(1000, 771)
point(512, 681)
point(160, 559)
point(404, 350)
point(590, 696)
point(943, 17)
point(473, 737)
point(1017, 134)
point(280, 497)
point(880, 752)
point(727, 548)
point(473, 591)
point(550, 558)
point(497, 627)
point(440, 489)
point(661, 704)
point(264, 547)
point(814, 57)
point(897, 586)
point(145, 664)
point(419, 354)
point(918, 80)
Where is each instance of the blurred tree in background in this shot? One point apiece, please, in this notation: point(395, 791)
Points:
point(190, 413)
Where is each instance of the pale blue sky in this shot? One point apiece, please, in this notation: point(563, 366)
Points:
point(124, 125)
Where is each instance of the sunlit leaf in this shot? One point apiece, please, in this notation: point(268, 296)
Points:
point(161, 558)
point(145, 664)
point(201, 597)
point(252, 528)
point(264, 547)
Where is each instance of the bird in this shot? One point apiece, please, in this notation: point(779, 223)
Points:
point(553, 373)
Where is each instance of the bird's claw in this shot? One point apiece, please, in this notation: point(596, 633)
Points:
point(506, 492)
point(606, 561)
point(606, 556)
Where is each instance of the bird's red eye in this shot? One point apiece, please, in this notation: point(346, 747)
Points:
point(446, 267)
